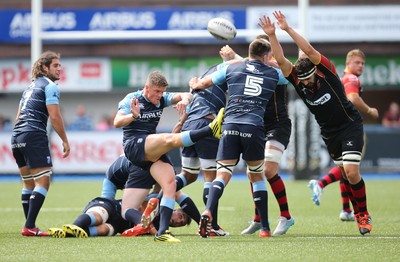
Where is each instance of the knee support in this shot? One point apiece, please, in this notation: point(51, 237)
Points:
point(191, 165)
point(228, 168)
point(111, 230)
point(99, 210)
point(208, 164)
point(25, 178)
point(42, 174)
point(351, 158)
point(273, 155)
point(338, 161)
point(256, 169)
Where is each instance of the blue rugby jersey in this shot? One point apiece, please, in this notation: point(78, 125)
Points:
point(149, 117)
point(207, 101)
point(251, 84)
point(118, 171)
point(33, 111)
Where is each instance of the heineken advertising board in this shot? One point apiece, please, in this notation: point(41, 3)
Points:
point(132, 73)
point(380, 72)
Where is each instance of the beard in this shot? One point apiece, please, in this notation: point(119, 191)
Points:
point(53, 77)
point(311, 85)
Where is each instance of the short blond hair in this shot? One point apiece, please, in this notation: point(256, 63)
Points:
point(353, 53)
point(157, 78)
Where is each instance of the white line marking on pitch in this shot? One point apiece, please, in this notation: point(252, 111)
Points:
point(358, 237)
point(57, 209)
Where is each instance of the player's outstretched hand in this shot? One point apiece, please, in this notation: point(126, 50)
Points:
point(266, 25)
point(227, 53)
point(281, 20)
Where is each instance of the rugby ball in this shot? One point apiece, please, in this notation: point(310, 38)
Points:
point(221, 28)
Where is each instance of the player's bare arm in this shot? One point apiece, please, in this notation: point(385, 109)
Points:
point(269, 28)
point(122, 119)
point(182, 100)
point(361, 106)
point(301, 42)
point(197, 83)
point(58, 125)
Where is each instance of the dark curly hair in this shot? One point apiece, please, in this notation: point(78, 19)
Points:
point(303, 67)
point(45, 59)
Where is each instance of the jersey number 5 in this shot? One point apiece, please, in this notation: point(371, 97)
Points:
point(253, 86)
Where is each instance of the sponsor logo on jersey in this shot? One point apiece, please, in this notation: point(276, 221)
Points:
point(322, 100)
point(147, 115)
point(236, 133)
point(252, 69)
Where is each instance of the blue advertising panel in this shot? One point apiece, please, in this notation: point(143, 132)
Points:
point(16, 24)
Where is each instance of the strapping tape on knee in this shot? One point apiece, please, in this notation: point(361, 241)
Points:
point(111, 230)
point(228, 168)
point(273, 155)
point(351, 158)
point(42, 174)
point(195, 170)
point(256, 169)
point(210, 168)
point(101, 211)
point(208, 164)
point(24, 178)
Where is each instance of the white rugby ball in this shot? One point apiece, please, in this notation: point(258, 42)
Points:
point(221, 28)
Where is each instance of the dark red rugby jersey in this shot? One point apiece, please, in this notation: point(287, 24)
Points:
point(328, 102)
point(351, 83)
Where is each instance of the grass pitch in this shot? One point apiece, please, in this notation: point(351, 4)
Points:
point(318, 234)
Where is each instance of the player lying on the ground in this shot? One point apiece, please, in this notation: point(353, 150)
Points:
point(116, 178)
point(102, 217)
point(179, 219)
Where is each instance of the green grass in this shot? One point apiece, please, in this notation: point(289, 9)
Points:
point(318, 234)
